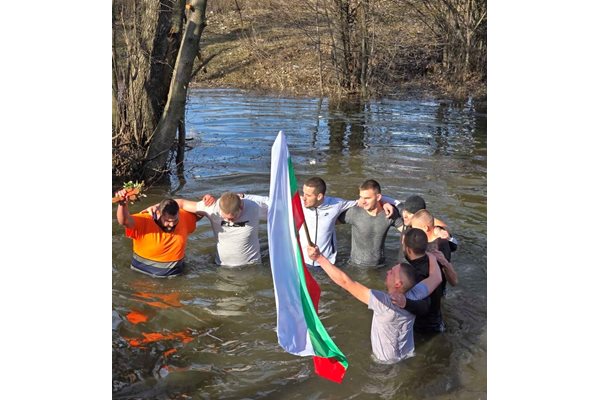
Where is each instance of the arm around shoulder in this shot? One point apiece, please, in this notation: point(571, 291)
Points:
point(451, 274)
point(263, 203)
point(435, 274)
point(187, 205)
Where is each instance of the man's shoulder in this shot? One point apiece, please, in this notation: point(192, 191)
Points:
point(420, 265)
point(329, 201)
point(184, 212)
point(439, 241)
point(443, 243)
point(251, 209)
point(186, 215)
point(381, 303)
point(334, 201)
point(355, 210)
point(212, 209)
point(440, 244)
point(250, 203)
point(143, 223)
point(141, 216)
point(379, 294)
point(378, 297)
point(141, 219)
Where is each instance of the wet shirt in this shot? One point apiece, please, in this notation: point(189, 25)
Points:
point(432, 321)
point(237, 241)
point(368, 235)
point(152, 243)
point(392, 327)
point(442, 245)
point(320, 222)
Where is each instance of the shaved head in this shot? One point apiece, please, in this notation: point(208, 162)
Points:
point(422, 220)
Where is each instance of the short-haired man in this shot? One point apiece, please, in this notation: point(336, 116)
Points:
point(159, 239)
point(234, 222)
point(424, 221)
point(411, 205)
point(414, 245)
point(392, 327)
point(369, 226)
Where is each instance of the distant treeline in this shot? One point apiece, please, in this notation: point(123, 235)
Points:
point(364, 46)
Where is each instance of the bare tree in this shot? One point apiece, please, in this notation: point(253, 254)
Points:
point(150, 76)
point(163, 136)
point(344, 30)
point(460, 27)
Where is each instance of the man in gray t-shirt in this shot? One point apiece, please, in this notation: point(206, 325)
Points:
point(369, 226)
point(391, 328)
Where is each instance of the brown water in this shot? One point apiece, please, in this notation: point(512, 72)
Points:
point(217, 325)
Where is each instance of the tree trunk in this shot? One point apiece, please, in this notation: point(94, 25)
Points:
point(364, 46)
point(146, 37)
point(163, 136)
point(343, 14)
point(180, 147)
point(319, 48)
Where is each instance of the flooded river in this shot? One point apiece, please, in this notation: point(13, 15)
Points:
point(210, 334)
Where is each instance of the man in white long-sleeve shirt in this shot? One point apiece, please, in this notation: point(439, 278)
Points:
point(320, 213)
point(235, 224)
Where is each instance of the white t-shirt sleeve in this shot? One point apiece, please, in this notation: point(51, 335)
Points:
point(200, 206)
point(379, 301)
point(263, 202)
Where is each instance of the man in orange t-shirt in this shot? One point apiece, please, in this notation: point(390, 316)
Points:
point(159, 240)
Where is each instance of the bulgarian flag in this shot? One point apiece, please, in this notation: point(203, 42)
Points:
point(299, 329)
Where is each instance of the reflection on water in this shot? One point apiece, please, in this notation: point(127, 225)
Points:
point(212, 332)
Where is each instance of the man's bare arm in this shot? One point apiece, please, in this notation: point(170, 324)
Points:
point(185, 205)
point(123, 216)
point(435, 274)
point(449, 271)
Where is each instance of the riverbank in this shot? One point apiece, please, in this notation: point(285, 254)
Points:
point(261, 50)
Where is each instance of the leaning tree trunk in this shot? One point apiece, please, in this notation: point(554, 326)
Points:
point(146, 39)
point(163, 136)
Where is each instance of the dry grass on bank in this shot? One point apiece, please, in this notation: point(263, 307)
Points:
point(273, 49)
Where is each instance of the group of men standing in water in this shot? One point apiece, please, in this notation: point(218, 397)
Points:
point(415, 287)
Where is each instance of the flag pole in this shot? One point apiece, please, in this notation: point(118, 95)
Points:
point(310, 243)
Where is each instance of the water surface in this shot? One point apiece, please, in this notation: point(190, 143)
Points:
point(211, 333)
